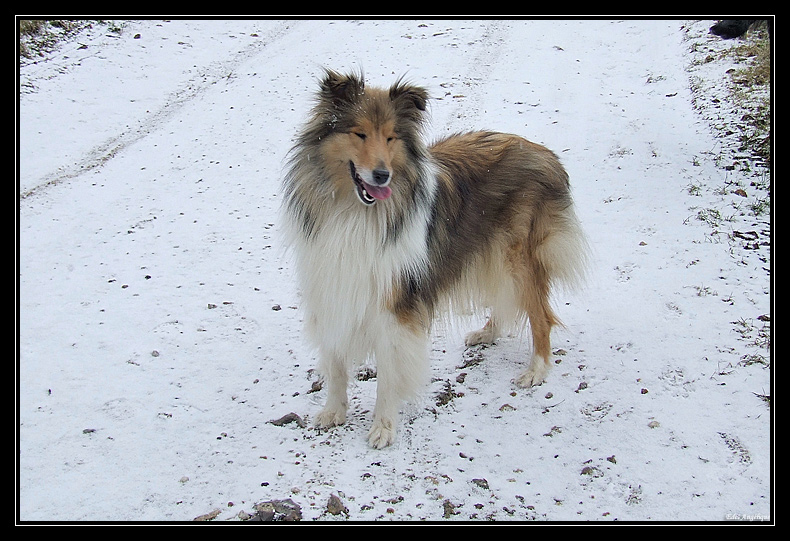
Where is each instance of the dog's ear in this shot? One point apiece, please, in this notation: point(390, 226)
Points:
point(407, 95)
point(339, 88)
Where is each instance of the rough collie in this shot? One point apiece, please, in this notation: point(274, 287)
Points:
point(388, 231)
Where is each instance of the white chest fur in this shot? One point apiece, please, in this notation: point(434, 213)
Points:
point(347, 272)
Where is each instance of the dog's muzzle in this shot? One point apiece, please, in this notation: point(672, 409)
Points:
point(370, 193)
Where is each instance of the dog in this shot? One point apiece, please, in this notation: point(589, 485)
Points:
point(389, 232)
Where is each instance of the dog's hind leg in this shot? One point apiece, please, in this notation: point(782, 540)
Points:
point(535, 298)
point(335, 373)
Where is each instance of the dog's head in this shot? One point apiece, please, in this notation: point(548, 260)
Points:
point(371, 131)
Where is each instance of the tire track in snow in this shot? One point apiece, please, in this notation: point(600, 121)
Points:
point(466, 111)
point(205, 78)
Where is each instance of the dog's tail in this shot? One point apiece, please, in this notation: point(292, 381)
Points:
point(564, 252)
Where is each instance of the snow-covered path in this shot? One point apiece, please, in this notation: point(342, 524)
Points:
point(159, 326)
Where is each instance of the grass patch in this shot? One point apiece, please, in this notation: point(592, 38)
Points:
point(37, 37)
point(758, 72)
point(744, 114)
point(751, 92)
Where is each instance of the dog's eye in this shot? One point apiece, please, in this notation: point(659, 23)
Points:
point(391, 139)
point(361, 135)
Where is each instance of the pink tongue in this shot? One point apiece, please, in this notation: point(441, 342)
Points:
point(379, 192)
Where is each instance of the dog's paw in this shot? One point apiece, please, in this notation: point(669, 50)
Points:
point(330, 417)
point(382, 433)
point(481, 336)
point(532, 376)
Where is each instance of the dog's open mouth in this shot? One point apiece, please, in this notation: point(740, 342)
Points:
point(368, 193)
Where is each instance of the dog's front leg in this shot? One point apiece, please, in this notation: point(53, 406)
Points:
point(387, 412)
point(401, 372)
point(335, 373)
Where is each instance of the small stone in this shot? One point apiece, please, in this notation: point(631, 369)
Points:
point(554, 430)
point(592, 471)
point(482, 483)
point(653, 424)
point(208, 516)
point(449, 509)
point(289, 418)
point(335, 505)
point(278, 511)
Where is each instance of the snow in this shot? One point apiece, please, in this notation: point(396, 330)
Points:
point(159, 326)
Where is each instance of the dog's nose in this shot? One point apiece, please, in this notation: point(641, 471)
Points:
point(381, 176)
